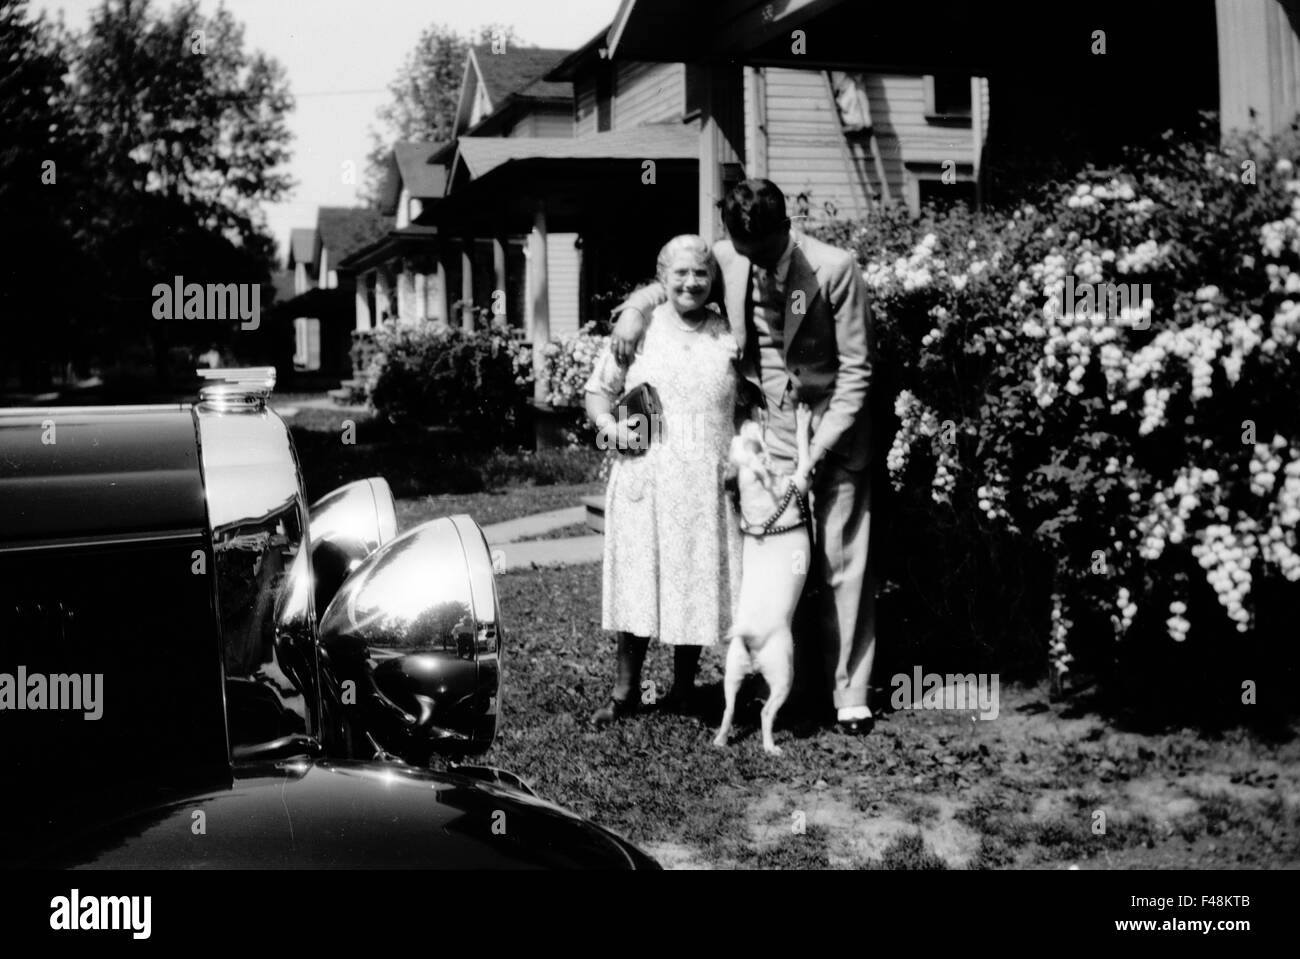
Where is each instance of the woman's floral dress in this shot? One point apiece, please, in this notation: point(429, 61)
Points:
point(672, 541)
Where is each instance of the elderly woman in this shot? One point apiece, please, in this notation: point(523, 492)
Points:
point(672, 543)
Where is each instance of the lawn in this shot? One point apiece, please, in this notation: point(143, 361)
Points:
point(1047, 784)
point(499, 505)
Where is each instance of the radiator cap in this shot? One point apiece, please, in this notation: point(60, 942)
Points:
point(236, 390)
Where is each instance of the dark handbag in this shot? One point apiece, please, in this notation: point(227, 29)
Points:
point(642, 412)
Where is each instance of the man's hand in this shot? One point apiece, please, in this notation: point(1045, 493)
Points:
point(627, 334)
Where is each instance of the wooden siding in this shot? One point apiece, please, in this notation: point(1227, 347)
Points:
point(805, 153)
point(563, 260)
point(584, 105)
point(1259, 65)
point(544, 123)
point(647, 92)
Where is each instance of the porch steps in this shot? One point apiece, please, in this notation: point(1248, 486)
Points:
point(595, 506)
point(350, 393)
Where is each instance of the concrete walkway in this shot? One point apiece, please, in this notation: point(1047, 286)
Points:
point(508, 554)
point(508, 557)
point(536, 525)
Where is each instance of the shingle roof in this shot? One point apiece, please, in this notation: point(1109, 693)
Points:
point(420, 177)
point(519, 71)
point(302, 245)
point(671, 140)
point(345, 229)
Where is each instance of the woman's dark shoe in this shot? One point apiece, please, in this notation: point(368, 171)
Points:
point(677, 701)
point(615, 710)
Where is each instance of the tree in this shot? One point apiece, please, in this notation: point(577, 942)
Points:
point(187, 137)
point(425, 94)
point(41, 177)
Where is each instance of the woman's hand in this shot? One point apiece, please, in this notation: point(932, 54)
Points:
point(620, 436)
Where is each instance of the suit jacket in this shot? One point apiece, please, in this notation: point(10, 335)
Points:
point(829, 342)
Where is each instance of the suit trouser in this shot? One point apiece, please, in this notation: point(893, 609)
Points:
point(843, 612)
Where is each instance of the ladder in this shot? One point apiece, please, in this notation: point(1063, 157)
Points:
point(850, 139)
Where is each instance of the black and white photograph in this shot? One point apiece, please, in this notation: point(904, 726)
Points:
point(775, 436)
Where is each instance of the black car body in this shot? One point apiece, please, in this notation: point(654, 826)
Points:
point(271, 682)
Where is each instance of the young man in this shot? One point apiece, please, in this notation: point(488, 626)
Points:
point(799, 311)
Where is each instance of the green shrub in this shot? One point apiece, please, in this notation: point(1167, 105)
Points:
point(1119, 484)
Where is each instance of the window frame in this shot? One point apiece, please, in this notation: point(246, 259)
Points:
point(947, 118)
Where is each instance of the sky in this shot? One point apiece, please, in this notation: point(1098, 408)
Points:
point(340, 56)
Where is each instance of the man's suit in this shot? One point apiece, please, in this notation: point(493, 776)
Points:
point(828, 347)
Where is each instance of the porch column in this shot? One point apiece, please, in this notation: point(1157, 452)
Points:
point(978, 124)
point(466, 286)
point(421, 301)
point(1259, 65)
point(363, 301)
point(756, 165)
point(722, 138)
point(499, 291)
point(406, 293)
point(539, 298)
point(440, 304)
point(383, 306)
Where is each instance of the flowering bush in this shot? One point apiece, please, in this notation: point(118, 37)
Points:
point(434, 374)
point(568, 362)
point(1084, 471)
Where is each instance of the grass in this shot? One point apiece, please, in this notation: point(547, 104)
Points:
point(927, 790)
point(497, 507)
point(564, 532)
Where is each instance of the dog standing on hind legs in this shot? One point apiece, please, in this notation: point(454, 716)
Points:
point(774, 565)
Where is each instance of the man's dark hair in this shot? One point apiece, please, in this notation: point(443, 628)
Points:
point(754, 209)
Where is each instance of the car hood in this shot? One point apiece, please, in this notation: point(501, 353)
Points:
point(313, 814)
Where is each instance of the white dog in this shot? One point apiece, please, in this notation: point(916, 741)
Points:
point(776, 554)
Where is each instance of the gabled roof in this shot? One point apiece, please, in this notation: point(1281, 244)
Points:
point(575, 62)
point(670, 140)
point(345, 229)
point(519, 71)
point(415, 167)
point(422, 178)
point(302, 246)
point(505, 78)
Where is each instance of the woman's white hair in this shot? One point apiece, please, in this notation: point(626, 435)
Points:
point(687, 243)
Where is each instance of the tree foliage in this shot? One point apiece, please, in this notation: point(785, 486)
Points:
point(166, 135)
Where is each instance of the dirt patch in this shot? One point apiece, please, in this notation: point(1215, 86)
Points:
point(857, 839)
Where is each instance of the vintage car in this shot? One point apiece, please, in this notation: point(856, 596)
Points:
point(198, 670)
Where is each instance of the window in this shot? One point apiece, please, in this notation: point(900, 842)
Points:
point(940, 185)
point(947, 97)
